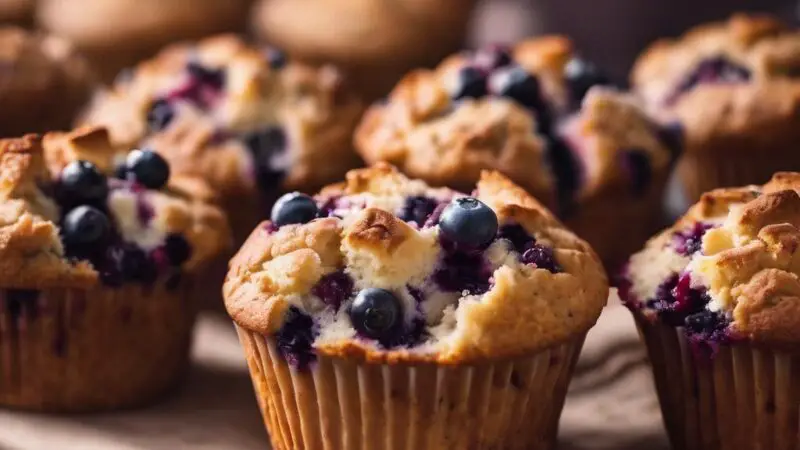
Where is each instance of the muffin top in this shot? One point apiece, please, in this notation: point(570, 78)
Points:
point(386, 268)
point(236, 115)
point(523, 111)
point(718, 77)
point(77, 212)
point(36, 69)
point(728, 270)
point(126, 24)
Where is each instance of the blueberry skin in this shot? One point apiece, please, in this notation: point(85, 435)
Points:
point(580, 76)
point(292, 208)
point(82, 182)
point(178, 249)
point(159, 115)
point(471, 84)
point(519, 85)
point(375, 313)
point(85, 226)
point(469, 222)
point(147, 168)
point(276, 58)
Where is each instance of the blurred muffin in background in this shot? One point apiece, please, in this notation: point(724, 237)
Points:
point(17, 12)
point(43, 82)
point(733, 87)
point(535, 113)
point(115, 34)
point(376, 41)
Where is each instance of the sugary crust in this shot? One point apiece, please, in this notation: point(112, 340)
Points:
point(422, 131)
point(312, 105)
point(720, 118)
point(750, 262)
point(138, 24)
point(185, 207)
point(43, 82)
point(525, 310)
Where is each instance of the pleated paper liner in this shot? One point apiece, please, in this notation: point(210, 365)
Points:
point(337, 404)
point(744, 398)
point(70, 350)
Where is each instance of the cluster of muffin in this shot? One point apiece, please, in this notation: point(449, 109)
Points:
point(431, 300)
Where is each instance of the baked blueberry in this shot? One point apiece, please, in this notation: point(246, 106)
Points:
point(334, 288)
point(418, 209)
point(268, 149)
point(492, 57)
point(541, 257)
point(580, 76)
point(81, 182)
point(159, 115)
point(147, 168)
point(518, 84)
point(276, 58)
point(178, 249)
point(214, 78)
point(295, 338)
point(293, 207)
point(469, 222)
point(85, 226)
point(375, 313)
point(471, 83)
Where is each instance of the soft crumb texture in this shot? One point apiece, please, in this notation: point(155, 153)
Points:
point(33, 255)
point(380, 229)
point(43, 82)
point(241, 117)
point(734, 265)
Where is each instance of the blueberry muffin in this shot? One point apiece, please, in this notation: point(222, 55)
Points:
point(17, 12)
point(43, 82)
point(97, 256)
point(717, 301)
point(115, 34)
point(243, 118)
point(384, 313)
point(732, 87)
point(535, 113)
point(375, 41)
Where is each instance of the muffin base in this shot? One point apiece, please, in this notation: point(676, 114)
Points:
point(744, 398)
point(339, 404)
point(71, 350)
point(702, 171)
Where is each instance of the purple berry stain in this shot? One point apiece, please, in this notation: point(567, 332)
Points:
point(714, 70)
point(689, 242)
point(462, 270)
point(334, 289)
point(418, 209)
point(295, 338)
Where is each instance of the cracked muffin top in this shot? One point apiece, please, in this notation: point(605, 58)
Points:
point(76, 212)
point(523, 111)
point(734, 78)
point(386, 268)
point(239, 116)
point(728, 270)
point(43, 82)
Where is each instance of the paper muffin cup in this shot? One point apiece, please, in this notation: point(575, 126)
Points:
point(341, 404)
point(702, 171)
point(743, 398)
point(635, 219)
point(72, 350)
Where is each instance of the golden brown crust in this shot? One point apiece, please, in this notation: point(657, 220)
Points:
point(43, 83)
point(750, 260)
point(312, 106)
point(525, 310)
point(117, 34)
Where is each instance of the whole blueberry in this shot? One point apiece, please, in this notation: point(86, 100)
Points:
point(375, 313)
point(159, 115)
point(293, 207)
point(471, 83)
point(468, 221)
point(81, 182)
point(518, 84)
point(147, 168)
point(178, 249)
point(580, 76)
point(85, 226)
